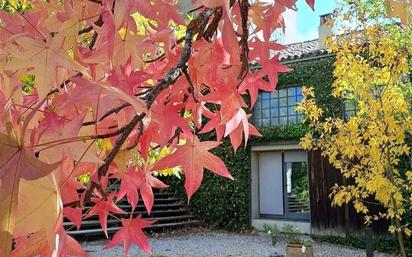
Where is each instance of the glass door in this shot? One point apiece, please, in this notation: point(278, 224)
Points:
point(296, 184)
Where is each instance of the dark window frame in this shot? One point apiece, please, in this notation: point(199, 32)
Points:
point(349, 107)
point(278, 108)
point(290, 216)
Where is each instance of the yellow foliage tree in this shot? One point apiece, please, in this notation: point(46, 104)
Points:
point(372, 69)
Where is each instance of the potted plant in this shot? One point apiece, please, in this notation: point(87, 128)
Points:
point(273, 233)
point(296, 246)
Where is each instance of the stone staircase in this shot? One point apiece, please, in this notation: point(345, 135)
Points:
point(168, 211)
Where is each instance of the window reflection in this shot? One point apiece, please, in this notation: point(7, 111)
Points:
point(278, 108)
point(297, 187)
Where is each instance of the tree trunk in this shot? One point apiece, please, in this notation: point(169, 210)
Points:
point(369, 242)
point(400, 239)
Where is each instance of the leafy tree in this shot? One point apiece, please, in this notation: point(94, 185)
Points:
point(89, 88)
point(372, 71)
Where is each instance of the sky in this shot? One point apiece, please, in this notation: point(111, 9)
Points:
point(303, 24)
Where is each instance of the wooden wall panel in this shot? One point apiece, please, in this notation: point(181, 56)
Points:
point(326, 219)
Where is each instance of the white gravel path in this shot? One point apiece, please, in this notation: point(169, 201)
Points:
point(219, 244)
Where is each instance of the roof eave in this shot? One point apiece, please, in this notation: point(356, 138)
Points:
point(257, 66)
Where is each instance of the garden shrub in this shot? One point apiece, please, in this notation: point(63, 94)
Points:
point(221, 203)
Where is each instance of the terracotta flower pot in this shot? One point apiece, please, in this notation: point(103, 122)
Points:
point(299, 250)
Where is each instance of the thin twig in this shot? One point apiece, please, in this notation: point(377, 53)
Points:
point(119, 142)
point(102, 171)
point(107, 114)
point(140, 133)
point(191, 86)
point(99, 23)
point(244, 55)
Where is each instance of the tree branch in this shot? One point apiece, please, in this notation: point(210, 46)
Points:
point(211, 29)
point(174, 73)
point(110, 157)
point(191, 86)
point(107, 114)
point(119, 142)
point(140, 133)
point(99, 23)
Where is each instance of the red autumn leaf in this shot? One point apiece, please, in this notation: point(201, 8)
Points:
point(239, 117)
point(39, 201)
point(253, 83)
point(116, 48)
point(128, 187)
point(230, 41)
point(74, 214)
point(37, 244)
point(145, 185)
point(238, 124)
point(33, 245)
point(311, 4)
point(194, 157)
point(287, 3)
point(134, 181)
point(72, 247)
point(127, 79)
point(68, 180)
point(102, 208)
point(131, 233)
point(59, 139)
point(229, 98)
point(236, 136)
point(17, 24)
point(215, 123)
point(168, 120)
point(44, 58)
point(272, 68)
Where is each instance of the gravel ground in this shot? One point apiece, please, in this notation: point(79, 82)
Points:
point(219, 244)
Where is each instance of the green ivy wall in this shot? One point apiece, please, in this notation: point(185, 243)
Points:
point(224, 204)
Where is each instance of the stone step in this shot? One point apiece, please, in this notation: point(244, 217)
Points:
point(111, 230)
point(156, 200)
point(141, 207)
point(160, 220)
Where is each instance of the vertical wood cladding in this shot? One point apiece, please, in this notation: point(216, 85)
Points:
point(326, 219)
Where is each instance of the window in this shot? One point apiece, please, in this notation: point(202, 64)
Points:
point(283, 185)
point(278, 108)
point(349, 109)
point(297, 187)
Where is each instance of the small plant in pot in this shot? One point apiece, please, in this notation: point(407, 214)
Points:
point(296, 247)
point(273, 233)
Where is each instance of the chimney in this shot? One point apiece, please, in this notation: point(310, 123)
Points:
point(325, 28)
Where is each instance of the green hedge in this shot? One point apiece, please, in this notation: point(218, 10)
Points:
point(319, 75)
point(280, 133)
point(221, 203)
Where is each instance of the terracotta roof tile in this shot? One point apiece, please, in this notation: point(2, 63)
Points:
point(302, 50)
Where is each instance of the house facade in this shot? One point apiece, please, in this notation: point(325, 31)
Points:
point(276, 181)
point(288, 185)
